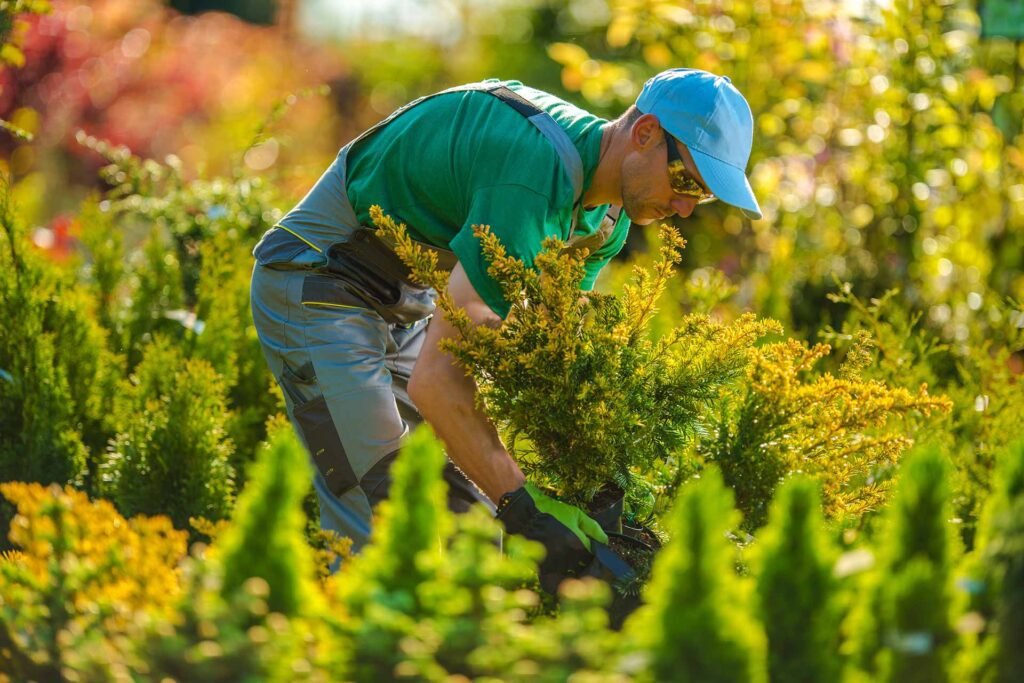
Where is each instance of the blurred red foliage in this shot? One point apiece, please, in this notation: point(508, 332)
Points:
point(138, 74)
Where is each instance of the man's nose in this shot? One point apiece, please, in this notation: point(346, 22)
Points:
point(683, 205)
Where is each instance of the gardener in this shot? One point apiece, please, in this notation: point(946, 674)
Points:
point(351, 339)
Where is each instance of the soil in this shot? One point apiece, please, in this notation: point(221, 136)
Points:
point(605, 498)
point(635, 555)
point(642, 534)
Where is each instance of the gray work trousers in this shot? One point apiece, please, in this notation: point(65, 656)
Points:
point(344, 372)
point(343, 369)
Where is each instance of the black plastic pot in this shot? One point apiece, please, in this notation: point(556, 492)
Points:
point(608, 511)
point(612, 568)
point(641, 532)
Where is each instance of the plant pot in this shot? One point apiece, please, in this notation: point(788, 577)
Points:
point(641, 532)
point(616, 564)
point(606, 508)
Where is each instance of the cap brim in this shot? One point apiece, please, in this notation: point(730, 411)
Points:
point(728, 183)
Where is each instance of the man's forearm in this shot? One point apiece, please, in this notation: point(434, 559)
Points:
point(447, 402)
point(446, 398)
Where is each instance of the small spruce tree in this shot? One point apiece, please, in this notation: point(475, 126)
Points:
point(903, 629)
point(796, 591)
point(265, 538)
point(696, 625)
point(994, 576)
point(378, 591)
point(171, 455)
point(40, 412)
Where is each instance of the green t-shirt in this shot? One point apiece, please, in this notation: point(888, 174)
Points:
point(467, 158)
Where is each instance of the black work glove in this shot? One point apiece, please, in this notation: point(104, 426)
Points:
point(567, 549)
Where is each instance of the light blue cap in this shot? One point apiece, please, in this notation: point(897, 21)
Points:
point(709, 115)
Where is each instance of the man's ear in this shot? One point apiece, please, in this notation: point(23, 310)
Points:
point(645, 132)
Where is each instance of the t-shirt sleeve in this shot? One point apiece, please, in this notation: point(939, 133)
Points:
point(518, 216)
point(600, 258)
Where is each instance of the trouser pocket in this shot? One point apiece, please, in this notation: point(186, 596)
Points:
point(316, 426)
point(377, 274)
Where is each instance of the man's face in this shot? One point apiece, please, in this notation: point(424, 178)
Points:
point(647, 194)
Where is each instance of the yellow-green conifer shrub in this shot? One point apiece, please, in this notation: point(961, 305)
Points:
point(481, 589)
point(171, 454)
point(154, 283)
point(797, 595)
point(902, 628)
point(82, 578)
point(378, 591)
point(254, 610)
point(227, 338)
point(40, 412)
point(580, 377)
point(834, 428)
point(994, 580)
point(698, 623)
point(573, 644)
point(975, 373)
point(265, 538)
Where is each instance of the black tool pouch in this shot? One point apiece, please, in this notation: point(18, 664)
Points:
point(376, 275)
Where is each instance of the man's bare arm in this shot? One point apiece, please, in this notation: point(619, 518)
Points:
point(445, 397)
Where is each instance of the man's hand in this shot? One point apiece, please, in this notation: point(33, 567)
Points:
point(571, 516)
point(564, 531)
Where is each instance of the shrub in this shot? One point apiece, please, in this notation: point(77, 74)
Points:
point(40, 412)
point(255, 611)
point(171, 455)
point(696, 625)
point(378, 591)
point(977, 374)
point(785, 419)
point(902, 629)
point(82, 575)
point(156, 302)
point(226, 338)
point(598, 400)
point(995, 579)
point(265, 538)
point(796, 591)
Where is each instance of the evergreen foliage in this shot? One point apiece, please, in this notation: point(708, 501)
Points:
point(226, 338)
point(995, 579)
point(256, 612)
point(156, 299)
point(41, 413)
point(797, 594)
point(378, 590)
point(82, 576)
point(696, 625)
point(580, 377)
point(171, 454)
point(787, 419)
point(265, 538)
point(903, 630)
point(977, 375)
point(573, 644)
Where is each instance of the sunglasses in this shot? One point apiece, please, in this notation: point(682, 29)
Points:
point(680, 179)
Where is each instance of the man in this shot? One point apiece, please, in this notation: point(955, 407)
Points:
point(351, 339)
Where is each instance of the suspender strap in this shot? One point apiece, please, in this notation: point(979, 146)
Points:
point(548, 127)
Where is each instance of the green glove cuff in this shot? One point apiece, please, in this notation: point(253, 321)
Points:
point(571, 516)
